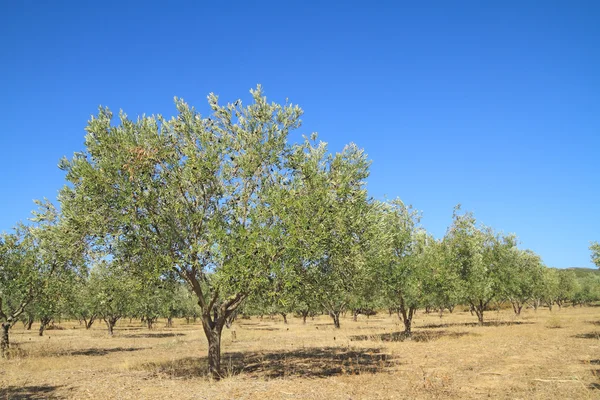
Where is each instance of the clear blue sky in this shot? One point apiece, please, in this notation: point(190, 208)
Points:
point(492, 104)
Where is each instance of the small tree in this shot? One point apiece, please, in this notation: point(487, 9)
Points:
point(523, 270)
point(81, 304)
point(19, 268)
point(112, 293)
point(595, 249)
point(567, 287)
point(32, 260)
point(400, 257)
point(325, 214)
point(478, 256)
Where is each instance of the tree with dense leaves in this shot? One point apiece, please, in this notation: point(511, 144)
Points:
point(32, 260)
point(112, 293)
point(326, 215)
point(400, 256)
point(595, 249)
point(191, 195)
point(478, 255)
point(521, 273)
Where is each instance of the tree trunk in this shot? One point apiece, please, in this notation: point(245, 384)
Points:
point(284, 315)
point(355, 315)
point(407, 317)
point(304, 315)
point(336, 318)
point(44, 321)
point(213, 330)
point(517, 306)
point(88, 323)
point(29, 323)
point(4, 339)
point(110, 324)
point(479, 311)
point(149, 323)
point(169, 322)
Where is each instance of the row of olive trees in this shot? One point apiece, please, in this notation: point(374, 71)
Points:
point(109, 294)
point(228, 205)
point(396, 265)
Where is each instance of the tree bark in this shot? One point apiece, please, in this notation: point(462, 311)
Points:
point(169, 322)
point(355, 315)
point(517, 306)
point(336, 318)
point(284, 315)
point(304, 315)
point(29, 323)
point(4, 343)
point(213, 330)
point(110, 324)
point(479, 311)
point(406, 315)
point(89, 322)
point(44, 321)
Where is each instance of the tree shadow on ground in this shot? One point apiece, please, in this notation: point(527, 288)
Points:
point(419, 336)
point(29, 392)
point(262, 329)
point(103, 352)
point(153, 335)
point(590, 335)
point(471, 324)
point(302, 363)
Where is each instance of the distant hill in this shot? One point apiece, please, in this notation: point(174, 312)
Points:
point(580, 272)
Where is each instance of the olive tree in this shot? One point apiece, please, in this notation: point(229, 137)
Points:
point(32, 260)
point(326, 215)
point(478, 257)
point(595, 249)
point(19, 267)
point(191, 195)
point(399, 257)
point(112, 293)
point(521, 273)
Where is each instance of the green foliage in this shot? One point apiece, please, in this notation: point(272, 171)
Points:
point(325, 213)
point(595, 249)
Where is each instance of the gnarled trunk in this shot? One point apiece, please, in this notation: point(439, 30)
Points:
point(44, 322)
point(89, 322)
point(110, 324)
point(29, 323)
point(517, 306)
point(336, 318)
point(304, 315)
point(213, 329)
point(4, 339)
point(284, 315)
point(479, 308)
point(406, 315)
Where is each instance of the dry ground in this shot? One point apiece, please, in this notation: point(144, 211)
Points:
point(543, 355)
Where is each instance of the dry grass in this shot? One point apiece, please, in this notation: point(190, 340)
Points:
point(539, 355)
